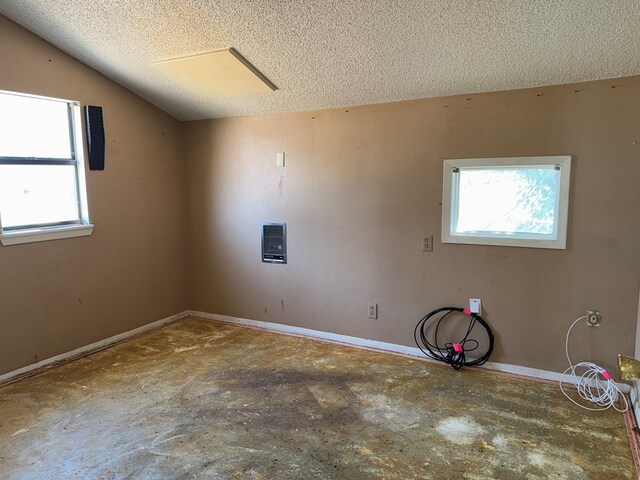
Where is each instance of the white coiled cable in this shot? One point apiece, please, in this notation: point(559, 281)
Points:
point(595, 385)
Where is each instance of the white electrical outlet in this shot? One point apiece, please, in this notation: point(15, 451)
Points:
point(280, 159)
point(427, 243)
point(475, 305)
point(373, 311)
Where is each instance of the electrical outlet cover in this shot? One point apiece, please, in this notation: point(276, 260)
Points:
point(475, 305)
point(427, 243)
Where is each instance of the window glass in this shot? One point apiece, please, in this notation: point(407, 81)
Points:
point(34, 127)
point(38, 194)
point(511, 200)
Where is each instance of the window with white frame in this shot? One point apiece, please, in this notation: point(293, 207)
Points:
point(42, 182)
point(515, 201)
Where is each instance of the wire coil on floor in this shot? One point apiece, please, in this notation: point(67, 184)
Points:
point(452, 353)
point(594, 384)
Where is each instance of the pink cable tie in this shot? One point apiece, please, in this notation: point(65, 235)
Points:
point(457, 348)
point(466, 311)
point(606, 375)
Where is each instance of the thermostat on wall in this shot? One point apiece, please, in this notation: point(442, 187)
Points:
point(274, 243)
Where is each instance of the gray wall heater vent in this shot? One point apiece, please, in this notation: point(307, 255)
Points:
point(274, 242)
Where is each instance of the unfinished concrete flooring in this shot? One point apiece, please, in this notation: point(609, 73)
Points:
point(203, 400)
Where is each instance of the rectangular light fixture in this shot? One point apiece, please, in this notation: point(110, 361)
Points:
point(220, 73)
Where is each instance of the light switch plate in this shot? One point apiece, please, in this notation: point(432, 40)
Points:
point(280, 159)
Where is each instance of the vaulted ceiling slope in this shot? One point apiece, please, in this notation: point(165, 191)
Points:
point(331, 53)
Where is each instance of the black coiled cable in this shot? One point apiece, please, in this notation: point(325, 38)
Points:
point(452, 353)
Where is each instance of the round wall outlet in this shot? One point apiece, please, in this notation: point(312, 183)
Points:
point(593, 318)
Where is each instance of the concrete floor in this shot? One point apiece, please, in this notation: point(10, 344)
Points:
point(203, 400)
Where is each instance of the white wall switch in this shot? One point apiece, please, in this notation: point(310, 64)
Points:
point(373, 311)
point(475, 305)
point(280, 159)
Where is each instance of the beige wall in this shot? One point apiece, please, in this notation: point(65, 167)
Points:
point(57, 296)
point(362, 185)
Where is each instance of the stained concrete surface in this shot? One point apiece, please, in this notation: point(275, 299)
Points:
point(197, 399)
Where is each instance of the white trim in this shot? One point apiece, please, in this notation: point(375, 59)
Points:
point(87, 349)
point(635, 391)
point(449, 206)
point(31, 95)
point(377, 345)
point(288, 329)
point(79, 149)
point(307, 332)
point(634, 402)
point(45, 234)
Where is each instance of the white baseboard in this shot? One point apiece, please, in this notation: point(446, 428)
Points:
point(305, 332)
point(377, 345)
point(634, 399)
point(79, 352)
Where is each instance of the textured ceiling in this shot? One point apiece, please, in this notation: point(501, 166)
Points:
point(335, 53)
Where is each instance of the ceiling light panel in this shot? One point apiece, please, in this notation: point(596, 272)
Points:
point(221, 73)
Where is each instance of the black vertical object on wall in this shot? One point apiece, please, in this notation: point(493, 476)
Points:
point(95, 136)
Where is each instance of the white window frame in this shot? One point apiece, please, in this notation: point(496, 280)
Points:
point(81, 227)
point(562, 163)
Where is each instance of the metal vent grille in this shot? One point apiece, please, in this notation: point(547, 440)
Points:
point(274, 243)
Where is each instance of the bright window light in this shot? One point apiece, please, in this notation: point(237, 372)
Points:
point(506, 201)
point(42, 184)
point(34, 127)
point(38, 194)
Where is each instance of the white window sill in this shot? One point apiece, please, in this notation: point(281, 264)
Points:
point(500, 241)
point(45, 234)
